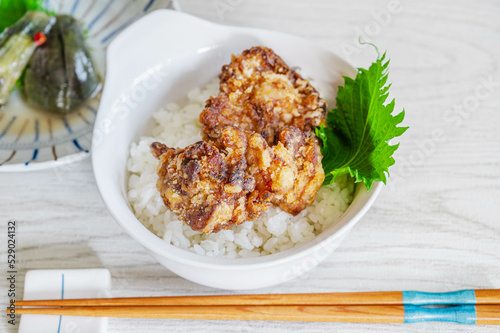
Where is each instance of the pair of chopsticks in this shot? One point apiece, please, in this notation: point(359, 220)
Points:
point(480, 307)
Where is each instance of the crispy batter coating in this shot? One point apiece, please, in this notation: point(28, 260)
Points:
point(260, 93)
point(259, 147)
point(205, 185)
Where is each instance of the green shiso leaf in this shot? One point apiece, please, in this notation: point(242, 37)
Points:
point(12, 10)
point(358, 130)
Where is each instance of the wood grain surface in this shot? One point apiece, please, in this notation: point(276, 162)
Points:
point(435, 227)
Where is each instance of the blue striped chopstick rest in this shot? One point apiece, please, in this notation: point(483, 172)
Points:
point(462, 314)
point(460, 297)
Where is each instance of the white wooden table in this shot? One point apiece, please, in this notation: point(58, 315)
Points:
point(435, 227)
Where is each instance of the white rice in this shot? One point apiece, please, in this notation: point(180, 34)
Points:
point(273, 232)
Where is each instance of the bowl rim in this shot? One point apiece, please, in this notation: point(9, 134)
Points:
point(158, 246)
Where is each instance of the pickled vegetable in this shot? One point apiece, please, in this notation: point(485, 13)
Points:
point(17, 45)
point(61, 74)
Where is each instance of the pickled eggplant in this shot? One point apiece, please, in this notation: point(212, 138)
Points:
point(61, 74)
point(17, 45)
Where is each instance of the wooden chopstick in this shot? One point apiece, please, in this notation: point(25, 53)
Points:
point(465, 314)
point(271, 299)
point(485, 296)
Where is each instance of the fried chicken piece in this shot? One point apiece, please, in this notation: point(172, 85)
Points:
point(260, 93)
point(236, 176)
point(205, 185)
point(303, 149)
point(273, 170)
point(259, 147)
point(287, 174)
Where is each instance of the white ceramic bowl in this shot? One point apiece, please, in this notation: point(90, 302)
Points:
point(158, 60)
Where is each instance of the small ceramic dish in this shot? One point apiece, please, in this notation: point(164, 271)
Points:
point(158, 60)
point(32, 139)
point(65, 284)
